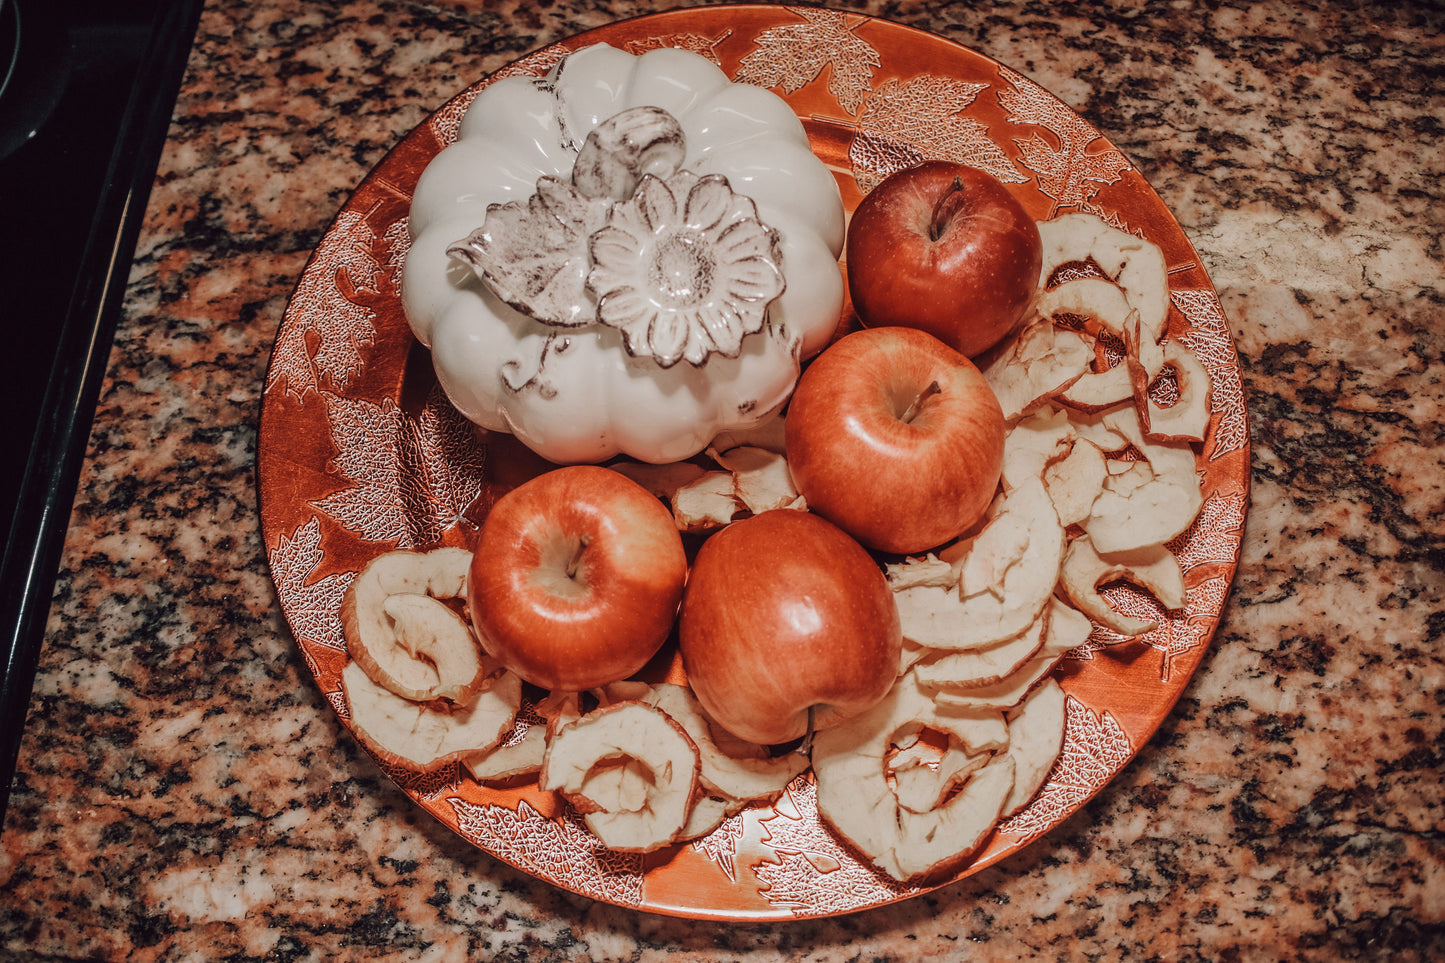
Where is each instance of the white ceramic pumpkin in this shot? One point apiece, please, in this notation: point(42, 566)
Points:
point(664, 291)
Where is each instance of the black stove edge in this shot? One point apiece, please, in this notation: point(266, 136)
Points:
point(43, 508)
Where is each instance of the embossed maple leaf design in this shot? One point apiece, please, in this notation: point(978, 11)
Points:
point(811, 870)
point(1214, 536)
point(312, 607)
point(1211, 342)
point(695, 42)
point(1095, 748)
point(721, 846)
point(560, 850)
point(792, 55)
point(907, 122)
point(413, 479)
point(334, 299)
point(1066, 170)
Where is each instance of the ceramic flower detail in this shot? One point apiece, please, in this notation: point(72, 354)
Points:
point(591, 230)
point(685, 268)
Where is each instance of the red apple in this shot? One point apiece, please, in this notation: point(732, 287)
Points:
point(945, 248)
point(576, 578)
point(896, 438)
point(787, 623)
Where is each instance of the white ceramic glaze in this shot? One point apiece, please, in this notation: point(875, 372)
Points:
point(585, 392)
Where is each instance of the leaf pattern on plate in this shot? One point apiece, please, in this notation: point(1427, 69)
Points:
point(907, 122)
point(790, 56)
point(315, 607)
point(413, 479)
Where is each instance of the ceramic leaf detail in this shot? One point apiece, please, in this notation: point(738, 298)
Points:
point(695, 42)
point(315, 605)
point(1210, 339)
point(557, 848)
point(1066, 170)
point(810, 870)
point(792, 55)
point(412, 479)
point(1214, 536)
point(906, 123)
point(721, 846)
point(1095, 747)
point(334, 296)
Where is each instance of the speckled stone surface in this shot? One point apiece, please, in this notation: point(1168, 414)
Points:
point(185, 793)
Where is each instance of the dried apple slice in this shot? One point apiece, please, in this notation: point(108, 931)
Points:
point(924, 777)
point(761, 480)
point(706, 503)
point(1036, 737)
point(768, 434)
point(1153, 567)
point(981, 667)
point(1188, 418)
point(1136, 265)
point(419, 736)
point(652, 802)
point(524, 756)
point(1035, 443)
point(404, 638)
point(856, 801)
point(920, 570)
point(732, 769)
point(1074, 482)
point(1067, 629)
point(1044, 361)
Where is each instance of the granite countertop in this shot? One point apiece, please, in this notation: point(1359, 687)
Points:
point(184, 792)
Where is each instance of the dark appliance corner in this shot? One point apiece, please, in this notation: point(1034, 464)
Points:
point(87, 90)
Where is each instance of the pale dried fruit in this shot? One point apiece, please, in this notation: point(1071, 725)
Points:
point(924, 778)
point(980, 667)
point(730, 768)
point(402, 636)
point(1153, 567)
point(591, 763)
point(524, 756)
point(1035, 443)
point(1043, 362)
point(419, 736)
point(926, 570)
point(1188, 418)
point(1036, 738)
point(767, 434)
point(1067, 629)
point(1136, 265)
point(1074, 482)
point(761, 480)
point(1006, 574)
point(707, 503)
point(855, 799)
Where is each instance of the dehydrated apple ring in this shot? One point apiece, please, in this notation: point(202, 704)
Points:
point(850, 761)
point(630, 803)
point(402, 636)
point(1135, 264)
point(421, 737)
point(1153, 567)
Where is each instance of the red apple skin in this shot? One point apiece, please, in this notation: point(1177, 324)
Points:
point(947, 249)
point(783, 611)
point(576, 578)
point(896, 482)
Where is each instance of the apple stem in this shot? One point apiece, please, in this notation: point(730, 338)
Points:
point(575, 562)
point(806, 745)
point(913, 409)
point(948, 205)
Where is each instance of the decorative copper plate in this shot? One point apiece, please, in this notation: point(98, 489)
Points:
point(361, 454)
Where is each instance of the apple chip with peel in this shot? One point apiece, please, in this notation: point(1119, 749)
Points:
point(1188, 418)
point(402, 636)
point(1035, 443)
point(1074, 482)
point(1067, 629)
point(524, 756)
point(1006, 575)
point(915, 571)
point(1136, 265)
point(731, 769)
point(761, 480)
point(1036, 738)
point(856, 800)
point(630, 770)
point(1043, 362)
point(980, 667)
point(706, 503)
point(1153, 567)
point(419, 736)
point(923, 779)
